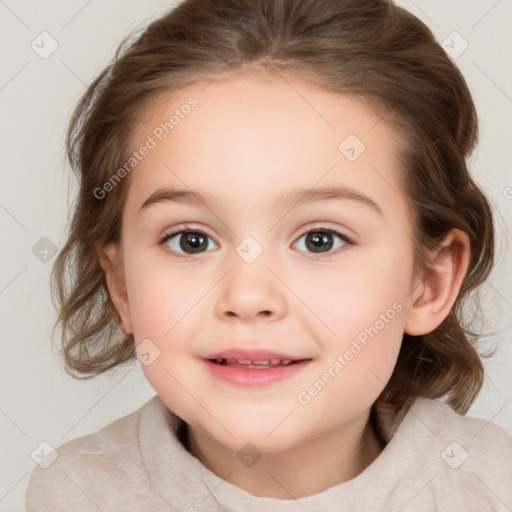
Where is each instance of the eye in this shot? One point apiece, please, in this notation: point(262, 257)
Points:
point(322, 240)
point(187, 241)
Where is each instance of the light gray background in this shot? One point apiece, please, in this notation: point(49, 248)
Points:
point(39, 402)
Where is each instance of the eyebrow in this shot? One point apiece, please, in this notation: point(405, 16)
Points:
point(290, 199)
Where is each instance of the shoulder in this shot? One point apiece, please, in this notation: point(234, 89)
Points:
point(468, 457)
point(83, 471)
point(483, 437)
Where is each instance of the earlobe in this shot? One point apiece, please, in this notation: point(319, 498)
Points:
point(434, 296)
point(110, 259)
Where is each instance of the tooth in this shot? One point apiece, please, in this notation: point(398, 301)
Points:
point(275, 361)
point(245, 361)
point(286, 361)
point(218, 361)
point(263, 361)
point(230, 361)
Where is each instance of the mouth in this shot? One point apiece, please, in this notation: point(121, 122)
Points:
point(254, 368)
point(258, 364)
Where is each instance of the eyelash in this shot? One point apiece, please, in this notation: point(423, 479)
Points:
point(319, 229)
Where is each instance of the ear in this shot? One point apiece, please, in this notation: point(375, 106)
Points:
point(434, 296)
point(110, 257)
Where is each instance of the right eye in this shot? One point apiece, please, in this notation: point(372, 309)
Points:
point(187, 241)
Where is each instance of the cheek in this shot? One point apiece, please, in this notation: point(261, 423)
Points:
point(160, 296)
point(165, 307)
point(364, 307)
point(357, 296)
point(359, 358)
point(164, 316)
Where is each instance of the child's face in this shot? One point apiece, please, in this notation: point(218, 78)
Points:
point(245, 147)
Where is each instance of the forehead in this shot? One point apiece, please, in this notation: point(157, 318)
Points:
point(251, 137)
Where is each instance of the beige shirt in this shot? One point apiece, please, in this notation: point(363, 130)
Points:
point(435, 460)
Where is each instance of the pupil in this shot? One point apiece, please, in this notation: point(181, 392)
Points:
point(319, 241)
point(195, 241)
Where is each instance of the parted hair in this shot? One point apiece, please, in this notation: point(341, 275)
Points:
point(370, 49)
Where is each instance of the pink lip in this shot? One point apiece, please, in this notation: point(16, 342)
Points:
point(254, 377)
point(251, 354)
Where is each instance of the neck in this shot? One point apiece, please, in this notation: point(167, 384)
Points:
point(305, 469)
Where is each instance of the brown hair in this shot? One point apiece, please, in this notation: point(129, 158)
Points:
point(368, 48)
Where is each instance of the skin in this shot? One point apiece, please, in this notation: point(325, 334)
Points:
point(250, 140)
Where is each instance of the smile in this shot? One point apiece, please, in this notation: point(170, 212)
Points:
point(256, 364)
point(254, 368)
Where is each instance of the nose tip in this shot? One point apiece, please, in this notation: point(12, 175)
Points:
point(251, 294)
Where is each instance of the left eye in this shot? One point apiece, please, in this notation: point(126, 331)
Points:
point(322, 240)
point(188, 242)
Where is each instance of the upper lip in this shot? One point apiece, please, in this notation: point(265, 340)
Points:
point(255, 354)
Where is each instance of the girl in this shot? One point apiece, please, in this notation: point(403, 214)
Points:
point(276, 218)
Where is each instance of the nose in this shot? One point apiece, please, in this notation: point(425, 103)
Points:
point(251, 293)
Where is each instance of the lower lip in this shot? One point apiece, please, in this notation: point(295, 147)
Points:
point(253, 377)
